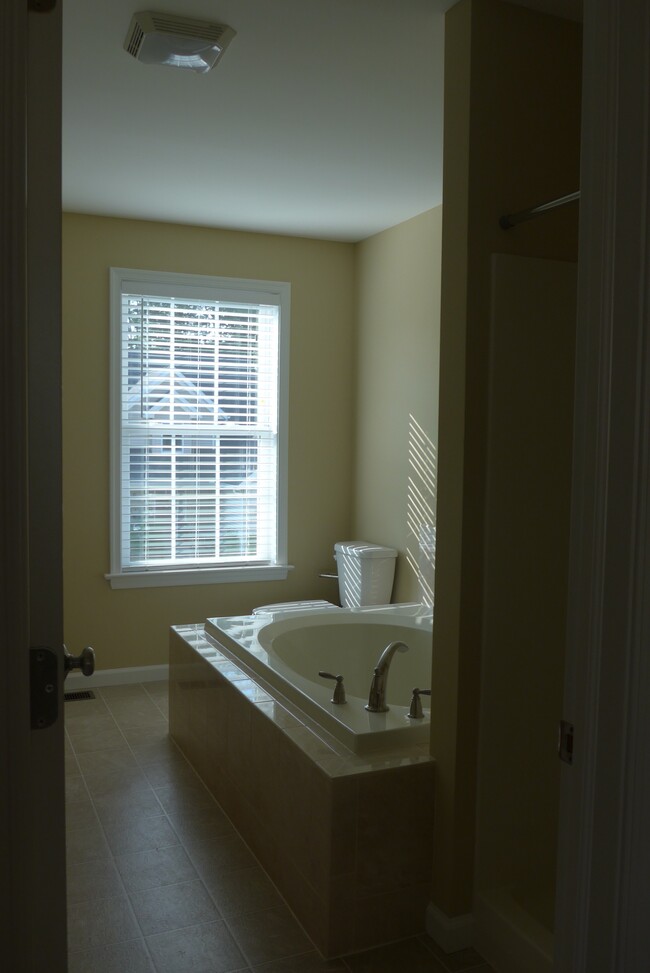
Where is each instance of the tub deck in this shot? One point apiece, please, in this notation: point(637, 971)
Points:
point(287, 649)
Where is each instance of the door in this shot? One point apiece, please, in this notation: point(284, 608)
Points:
point(32, 822)
point(603, 887)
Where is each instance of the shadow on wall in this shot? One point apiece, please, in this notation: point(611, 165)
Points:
point(421, 509)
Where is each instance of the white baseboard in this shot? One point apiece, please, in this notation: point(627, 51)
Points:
point(116, 677)
point(451, 934)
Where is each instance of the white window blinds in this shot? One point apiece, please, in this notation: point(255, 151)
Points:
point(198, 426)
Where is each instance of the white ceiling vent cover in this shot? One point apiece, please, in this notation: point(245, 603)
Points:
point(180, 42)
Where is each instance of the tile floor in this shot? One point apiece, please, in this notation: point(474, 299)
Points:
point(159, 881)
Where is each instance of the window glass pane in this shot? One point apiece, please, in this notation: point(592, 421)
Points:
point(238, 364)
point(199, 406)
point(196, 524)
point(238, 499)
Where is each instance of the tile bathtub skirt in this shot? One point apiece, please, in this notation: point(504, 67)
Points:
point(347, 839)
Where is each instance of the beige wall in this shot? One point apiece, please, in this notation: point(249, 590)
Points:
point(398, 339)
point(512, 115)
point(130, 627)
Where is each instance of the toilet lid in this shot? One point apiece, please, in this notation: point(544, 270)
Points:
point(364, 549)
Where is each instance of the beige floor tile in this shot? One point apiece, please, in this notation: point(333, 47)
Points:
point(86, 843)
point(82, 724)
point(163, 706)
point(107, 761)
point(149, 751)
point(204, 824)
point(133, 690)
point(269, 935)
point(125, 782)
point(121, 809)
point(97, 738)
point(79, 814)
point(71, 764)
point(98, 879)
point(140, 834)
point(83, 709)
point(75, 789)
point(199, 949)
point(173, 907)
point(311, 962)
point(124, 704)
point(138, 719)
point(159, 693)
point(243, 890)
point(131, 775)
point(185, 796)
point(143, 736)
point(174, 769)
point(158, 688)
point(101, 922)
point(129, 713)
point(156, 867)
point(129, 957)
point(220, 854)
point(159, 753)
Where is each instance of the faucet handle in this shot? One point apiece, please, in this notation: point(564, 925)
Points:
point(415, 710)
point(338, 696)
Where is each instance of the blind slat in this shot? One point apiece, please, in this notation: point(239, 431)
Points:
point(192, 489)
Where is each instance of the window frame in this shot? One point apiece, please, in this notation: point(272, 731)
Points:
point(164, 283)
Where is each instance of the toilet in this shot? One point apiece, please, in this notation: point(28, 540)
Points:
point(365, 572)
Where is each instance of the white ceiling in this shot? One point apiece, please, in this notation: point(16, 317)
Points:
point(323, 119)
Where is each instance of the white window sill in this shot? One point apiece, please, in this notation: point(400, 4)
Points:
point(194, 576)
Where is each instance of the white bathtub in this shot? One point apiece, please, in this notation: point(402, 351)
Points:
point(287, 649)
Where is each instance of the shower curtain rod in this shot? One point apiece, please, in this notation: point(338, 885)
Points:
point(511, 219)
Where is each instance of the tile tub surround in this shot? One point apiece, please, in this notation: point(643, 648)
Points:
point(346, 838)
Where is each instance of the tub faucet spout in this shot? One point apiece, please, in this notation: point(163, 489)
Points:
point(377, 695)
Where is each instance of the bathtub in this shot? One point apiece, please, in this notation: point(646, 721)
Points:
point(286, 650)
point(345, 836)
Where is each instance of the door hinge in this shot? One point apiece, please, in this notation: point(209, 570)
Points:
point(565, 741)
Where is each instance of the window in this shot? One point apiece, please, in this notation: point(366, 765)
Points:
point(198, 430)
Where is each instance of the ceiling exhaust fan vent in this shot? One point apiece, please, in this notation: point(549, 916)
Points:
point(181, 42)
point(134, 40)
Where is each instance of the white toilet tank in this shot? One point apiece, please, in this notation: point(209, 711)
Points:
point(366, 573)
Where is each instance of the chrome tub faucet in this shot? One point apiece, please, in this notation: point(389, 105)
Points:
point(377, 695)
point(338, 696)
